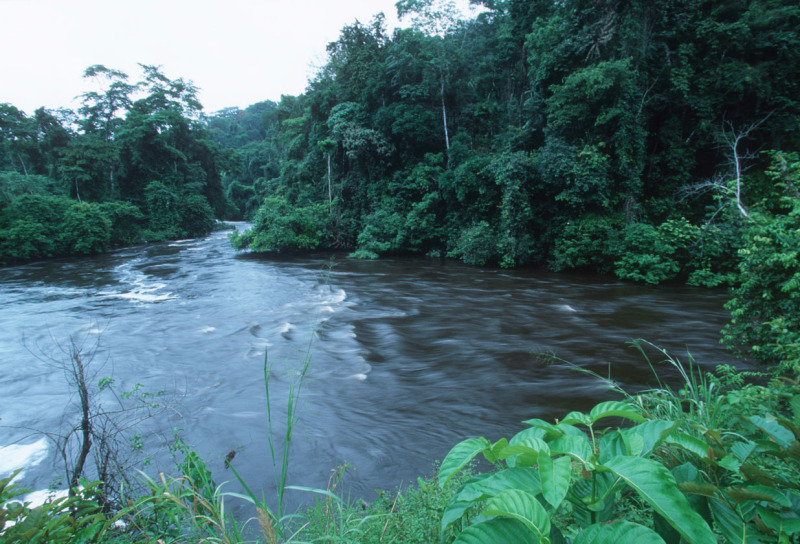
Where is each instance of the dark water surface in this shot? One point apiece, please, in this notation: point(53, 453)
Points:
point(408, 356)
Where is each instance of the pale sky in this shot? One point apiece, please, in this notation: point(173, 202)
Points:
point(238, 52)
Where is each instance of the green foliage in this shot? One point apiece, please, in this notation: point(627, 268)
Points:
point(86, 228)
point(279, 227)
point(197, 217)
point(127, 221)
point(548, 472)
point(765, 307)
point(75, 519)
point(476, 245)
point(591, 243)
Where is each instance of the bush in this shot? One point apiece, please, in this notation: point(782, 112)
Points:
point(127, 221)
point(25, 240)
point(162, 209)
point(197, 217)
point(476, 245)
point(278, 226)
point(592, 243)
point(86, 229)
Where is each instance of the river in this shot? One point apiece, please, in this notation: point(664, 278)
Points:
point(408, 356)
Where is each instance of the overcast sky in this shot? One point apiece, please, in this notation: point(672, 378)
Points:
point(237, 51)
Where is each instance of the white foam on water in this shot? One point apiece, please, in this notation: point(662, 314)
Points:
point(142, 291)
point(338, 296)
point(566, 308)
point(206, 330)
point(358, 377)
point(286, 328)
point(22, 456)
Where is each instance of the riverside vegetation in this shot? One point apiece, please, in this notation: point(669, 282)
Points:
point(656, 141)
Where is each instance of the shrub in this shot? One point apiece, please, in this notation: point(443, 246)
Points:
point(86, 228)
point(196, 216)
point(278, 226)
point(127, 221)
point(476, 245)
point(765, 308)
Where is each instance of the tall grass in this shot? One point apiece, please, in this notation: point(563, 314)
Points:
point(275, 525)
point(699, 398)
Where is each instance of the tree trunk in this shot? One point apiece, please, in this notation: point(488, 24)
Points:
point(86, 422)
point(24, 170)
point(111, 180)
point(444, 117)
point(330, 192)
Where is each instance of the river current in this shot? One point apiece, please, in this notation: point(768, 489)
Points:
point(408, 356)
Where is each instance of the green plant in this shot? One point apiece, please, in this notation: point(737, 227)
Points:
point(280, 226)
point(276, 523)
point(551, 472)
point(765, 307)
point(733, 448)
point(78, 518)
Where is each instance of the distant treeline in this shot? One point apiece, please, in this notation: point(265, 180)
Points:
point(135, 163)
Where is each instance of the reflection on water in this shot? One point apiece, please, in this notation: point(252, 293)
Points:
point(408, 356)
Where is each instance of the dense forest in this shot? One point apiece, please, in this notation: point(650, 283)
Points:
point(657, 141)
point(135, 163)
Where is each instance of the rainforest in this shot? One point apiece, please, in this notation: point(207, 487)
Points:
point(654, 142)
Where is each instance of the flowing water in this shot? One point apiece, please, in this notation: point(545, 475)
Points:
point(407, 356)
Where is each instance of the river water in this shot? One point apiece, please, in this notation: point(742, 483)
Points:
point(408, 356)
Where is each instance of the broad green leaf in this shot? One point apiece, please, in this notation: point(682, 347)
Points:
point(654, 483)
point(513, 478)
point(612, 445)
point(619, 442)
point(635, 443)
point(775, 430)
point(577, 447)
point(555, 475)
point(778, 523)
point(523, 507)
point(488, 486)
point(731, 525)
point(530, 432)
point(492, 454)
point(551, 431)
point(574, 418)
point(613, 408)
point(495, 531)
point(623, 532)
point(730, 462)
point(525, 452)
point(454, 511)
point(688, 443)
point(653, 433)
point(686, 472)
point(569, 430)
point(742, 450)
point(461, 454)
point(519, 456)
